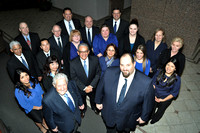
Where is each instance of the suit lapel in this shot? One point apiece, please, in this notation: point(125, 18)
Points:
point(115, 86)
point(81, 67)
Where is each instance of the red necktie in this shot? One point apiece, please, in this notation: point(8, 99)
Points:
point(28, 42)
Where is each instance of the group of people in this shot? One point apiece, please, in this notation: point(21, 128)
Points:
point(129, 81)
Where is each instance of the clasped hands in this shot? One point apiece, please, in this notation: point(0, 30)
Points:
point(88, 89)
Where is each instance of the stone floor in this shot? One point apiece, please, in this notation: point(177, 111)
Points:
point(182, 116)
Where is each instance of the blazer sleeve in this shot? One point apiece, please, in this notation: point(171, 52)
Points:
point(147, 67)
point(99, 91)
point(95, 45)
point(148, 102)
point(97, 75)
point(75, 88)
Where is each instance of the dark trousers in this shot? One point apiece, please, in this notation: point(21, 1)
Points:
point(161, 107)
point(92, 103)
point(114, 130)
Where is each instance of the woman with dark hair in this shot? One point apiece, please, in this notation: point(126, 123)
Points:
point(101, 40)
point(51, 68)
point(175, 52)
point(109, 58)
point(142, 63)
point(29, 94)
point(131, 41)
point(154, 48)
point(166, 83)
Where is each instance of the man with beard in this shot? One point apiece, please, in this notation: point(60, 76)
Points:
point(125, 97)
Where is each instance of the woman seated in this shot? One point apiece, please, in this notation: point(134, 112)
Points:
point(29, 94)
point(101, 40)
point(131, 41)
point(109, 58)
point(173, 51)
point(154, 48)
point(70, 50)
point(166, 83)
point(142, 63)
point(51, 68)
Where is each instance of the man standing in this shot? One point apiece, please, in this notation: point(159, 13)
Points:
point(85, 70)
point(46, 52)
point(29, 41)
point(89, 31)
point(23, 60)
point(68, 23)
point(125, 96)
point(61, 105)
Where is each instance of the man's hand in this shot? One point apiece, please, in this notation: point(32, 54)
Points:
point(88, 89)
point(55, 129)
point(99, 106)
point(99, 55)
point(81, 107)
point(140, 120)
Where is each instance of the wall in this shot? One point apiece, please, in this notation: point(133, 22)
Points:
point(177, 17)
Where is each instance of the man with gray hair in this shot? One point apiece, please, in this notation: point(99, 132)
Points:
point(61, 105)
point(24, 60)
point(85, 70)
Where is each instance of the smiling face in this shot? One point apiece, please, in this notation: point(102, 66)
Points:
point(139, 54)
point(16, 49)
point(76, 38)
point(54, 66)
point(116, 14)
point(159, 36)
point(45, 46)
point(133, 29)
point(170, 68)
point(56, 30)
point(127, 67)
point(88, 22)
point(110, 52)
point(176, 46)
point(83, 52)
point(24, 78)
point(67, 15)
point(105, 32)
point(61, 86)
point(23, 28)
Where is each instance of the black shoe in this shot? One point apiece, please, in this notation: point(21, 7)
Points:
point(82, 114)
point(96, 112)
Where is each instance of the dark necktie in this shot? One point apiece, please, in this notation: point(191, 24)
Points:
point(85, 68)
point(115, 27)
point(47, 55)
point(89, 37)
point(28, 42)
point(69, 102)
point(122, 93)
point(59, 44)
point(70, 28)
point(24, 62)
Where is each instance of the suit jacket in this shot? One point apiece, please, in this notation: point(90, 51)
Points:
point(35, 43)
point(138, 101)
point(78, 74)
point(13, 63)
point(61, 23)
point(58, 113)
point(41, 58)
point(125, 43)
point(122, 30)
point(95, 31)
point(54, 45)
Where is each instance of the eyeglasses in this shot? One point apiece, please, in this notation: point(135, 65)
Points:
point(82, 52)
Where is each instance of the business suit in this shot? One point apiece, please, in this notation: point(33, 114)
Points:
point(14, 63)
point(35, 43)
point(57, 112)
point(41, 58)
point(78, 74)
point(61, 23)
point(125, 43)
point(138, 101)
point(55, 46)
point(122, 30)
point(95, 31)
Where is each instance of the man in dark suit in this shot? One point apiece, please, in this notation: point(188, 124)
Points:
point(68, 23)
point(85, 70)
point(29, 41)
point(89, 31)
point(61, 105)
point(125, 96)
point(46, 52)
point(22, 60)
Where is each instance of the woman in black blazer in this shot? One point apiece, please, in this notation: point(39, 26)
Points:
point(132, 40)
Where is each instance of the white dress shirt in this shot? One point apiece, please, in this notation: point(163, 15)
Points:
point(67, 25)
point(70, 96)
point(86, 29)
point(47, 53)
point(122, 82)
point(117, 24)
point(19, 58)
point(56, 38)
point(87, 63)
